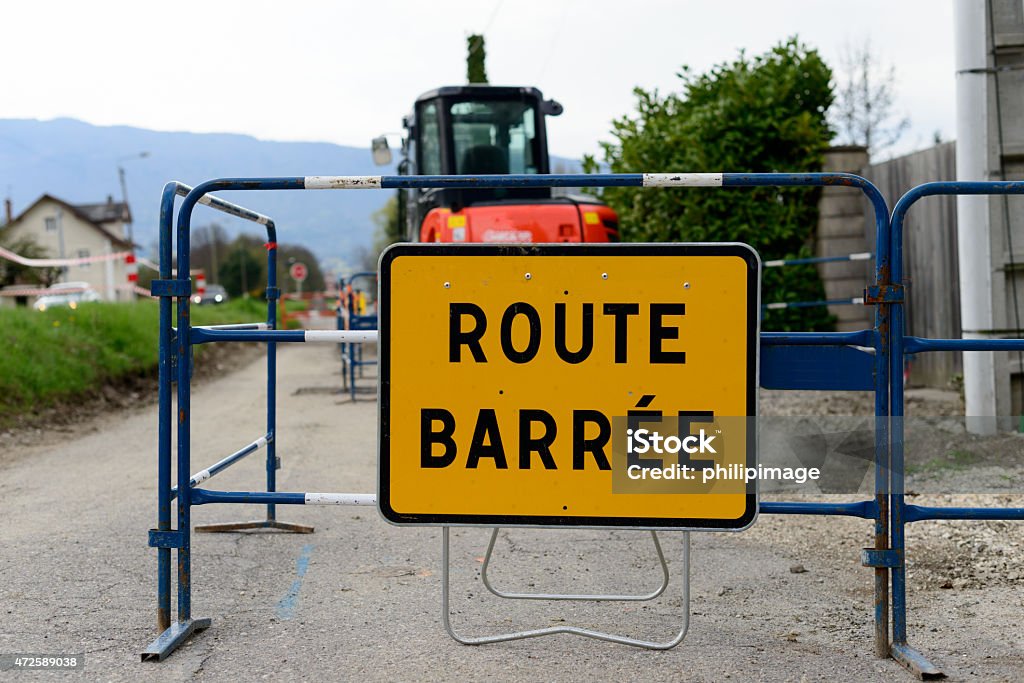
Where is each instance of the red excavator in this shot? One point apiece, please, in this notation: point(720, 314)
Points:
point(483, 129)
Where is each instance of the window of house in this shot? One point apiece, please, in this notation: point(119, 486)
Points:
point(83, 253)
point(51, 224)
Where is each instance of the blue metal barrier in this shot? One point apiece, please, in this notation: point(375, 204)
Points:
point(351, 317)
point(817, 369)
point(902, 345)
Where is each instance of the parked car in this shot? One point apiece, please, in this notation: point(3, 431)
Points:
point(68, 294)
point(214, 294)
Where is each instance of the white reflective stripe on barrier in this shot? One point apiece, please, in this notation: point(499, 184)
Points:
point(774, 263)
point(341, 499)
point(234, 326)
point(341, 336)
point(341, 182)
point(200, 477)
point(864, 256)
point(831, 302)
point(208, 200)
point(682, 180)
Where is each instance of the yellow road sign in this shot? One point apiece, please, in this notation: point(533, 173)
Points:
point(522, 385)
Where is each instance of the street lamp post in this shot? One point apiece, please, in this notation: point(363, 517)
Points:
point(124, 192)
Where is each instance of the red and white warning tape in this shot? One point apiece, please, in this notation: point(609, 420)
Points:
point(40, 292)
point(49, 262)
point(69, 290)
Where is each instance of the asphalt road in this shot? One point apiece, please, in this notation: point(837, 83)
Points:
point(361, 599)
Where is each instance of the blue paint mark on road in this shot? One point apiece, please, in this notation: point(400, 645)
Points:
point(286, 606)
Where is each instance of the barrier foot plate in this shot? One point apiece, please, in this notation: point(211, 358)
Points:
point(915, 662)
point(168, 641)
point(283, 527)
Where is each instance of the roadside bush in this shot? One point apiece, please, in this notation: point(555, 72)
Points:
point(761, 114)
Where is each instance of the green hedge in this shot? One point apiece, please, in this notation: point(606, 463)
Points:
point(761, 114)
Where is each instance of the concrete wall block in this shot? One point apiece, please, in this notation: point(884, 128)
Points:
point(840, 246)
point(860, 271)
point(845, 225)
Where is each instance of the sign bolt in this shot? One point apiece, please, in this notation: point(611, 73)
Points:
point(528, 276)
point(448, 285)
point(686, 285)
point(604, 276)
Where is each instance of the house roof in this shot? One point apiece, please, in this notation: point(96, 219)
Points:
point(96, 215)
point(106, 212)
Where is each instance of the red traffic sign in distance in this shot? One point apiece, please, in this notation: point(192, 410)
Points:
point(298, 271)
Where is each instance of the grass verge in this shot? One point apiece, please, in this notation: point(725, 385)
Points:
point(52, 357)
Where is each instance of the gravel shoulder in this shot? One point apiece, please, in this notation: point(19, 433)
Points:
point(361, 598)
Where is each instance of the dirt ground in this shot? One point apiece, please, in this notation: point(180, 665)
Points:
point(786, 600)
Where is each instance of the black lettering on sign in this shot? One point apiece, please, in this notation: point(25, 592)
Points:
point(621, 313)
point(428, 437)
point(541, 445)
point(471, 338)
point(660, 332)
point(533, 344)
point(586, 343)
point(581, 445)
point(486, 428)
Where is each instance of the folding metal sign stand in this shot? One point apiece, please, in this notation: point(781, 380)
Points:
point(573, 630)
point(485, 578)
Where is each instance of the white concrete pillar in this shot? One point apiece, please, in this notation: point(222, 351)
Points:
point(974, 229)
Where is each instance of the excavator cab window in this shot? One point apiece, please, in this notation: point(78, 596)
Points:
point(493, 137)
point(430, 141)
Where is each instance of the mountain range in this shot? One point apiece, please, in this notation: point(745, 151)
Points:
point(78, 162)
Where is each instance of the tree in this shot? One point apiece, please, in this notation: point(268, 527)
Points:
point(209, 244)
point(863, 113)
point(244, 267)
point(389, 228)
point(244, 270)
point(12, 273)
point(764, 114)
point(476, 72)
point(288, 254)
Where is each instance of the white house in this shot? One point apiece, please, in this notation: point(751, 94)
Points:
point(80, 231)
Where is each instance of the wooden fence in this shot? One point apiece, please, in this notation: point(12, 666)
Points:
point(930, 250)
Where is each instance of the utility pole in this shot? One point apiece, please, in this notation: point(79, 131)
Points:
point(214, 274)
point(245, 276)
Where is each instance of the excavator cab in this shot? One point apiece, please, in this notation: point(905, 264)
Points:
point(482, 130)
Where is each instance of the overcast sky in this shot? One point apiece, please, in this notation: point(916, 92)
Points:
point(346, 71)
